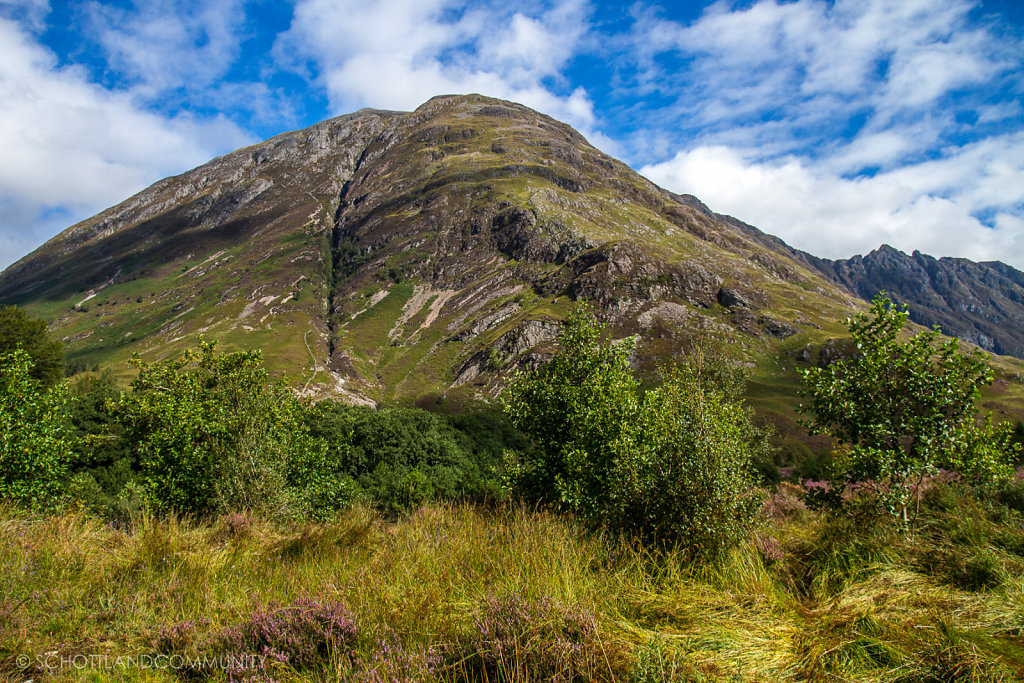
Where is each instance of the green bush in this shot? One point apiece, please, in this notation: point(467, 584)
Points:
point(104, 462)
point(683, 472)
point(18, 330)
point(403, 457)
point(213, 434)
point(573, 408)
point(672, 467)
point(905, 407)
point(35, 438)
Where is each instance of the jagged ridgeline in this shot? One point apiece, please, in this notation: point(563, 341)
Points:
point(410, 255)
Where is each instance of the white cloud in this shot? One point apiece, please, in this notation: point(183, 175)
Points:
point(840, 126)
point(31, 13)
point(72, 148)
point(926, 206)
point(162, 45)
point(399, 53)
point(817, 67)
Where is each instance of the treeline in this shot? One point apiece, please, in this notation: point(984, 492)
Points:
point(206, 433)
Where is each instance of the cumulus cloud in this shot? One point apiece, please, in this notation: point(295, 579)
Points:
point(817, 66)
point(930, 206)
point(161, 45)
point(399, 53)
point(836, 124)
point(31, 13)
point(840, 126)
point(72, 148)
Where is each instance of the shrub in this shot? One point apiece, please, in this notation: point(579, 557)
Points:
point(984, 452)
point(403, 457)
point(104, 463)
point(900, 404)
point(672, 467)
point(18, 330)
point(213, 434)
point(35, 439)
point(682, 471)
point(573, 409)
point(520, 639)
point(307, 633)
point(393, 662)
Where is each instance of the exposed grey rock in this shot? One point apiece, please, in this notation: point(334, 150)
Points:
point(776, 328)
point(981, 303)
point(509, 350)
point(733, 298)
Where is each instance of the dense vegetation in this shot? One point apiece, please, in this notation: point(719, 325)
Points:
point(671, 465)
point(593, 531)
point(207, 433)
point(512, 594)
point(905, 409)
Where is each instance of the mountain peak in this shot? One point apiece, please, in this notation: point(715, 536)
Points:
point(384, 254)
point(981, 303)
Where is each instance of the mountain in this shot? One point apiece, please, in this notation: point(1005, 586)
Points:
point(421, 255)
point(981, 303)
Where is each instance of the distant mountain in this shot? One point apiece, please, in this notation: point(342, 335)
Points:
point(423, 255)
point(982, 303)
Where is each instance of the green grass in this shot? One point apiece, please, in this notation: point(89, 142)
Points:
point(810, 597)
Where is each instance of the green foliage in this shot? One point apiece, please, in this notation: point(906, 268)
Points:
point(35, 440)
point(672, 467)
point(19, 330)
point(984, 452)
point(212, 434)
point(104, 463)
point(900, 404)
point(682, 472)
point(403, 457)
point(573, 408)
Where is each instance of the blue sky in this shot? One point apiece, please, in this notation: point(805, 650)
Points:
point(837, 126)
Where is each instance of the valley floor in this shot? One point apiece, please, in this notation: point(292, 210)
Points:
point(512, 594)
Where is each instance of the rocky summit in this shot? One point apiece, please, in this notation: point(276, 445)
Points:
point(981, 303)
point(390, 255)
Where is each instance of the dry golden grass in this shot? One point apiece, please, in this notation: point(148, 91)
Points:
point(424, 589)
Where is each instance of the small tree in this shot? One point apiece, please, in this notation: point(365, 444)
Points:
point(672, 466)
point(573, 408)
point(214, 434)
point(35, 437)
point(901, 405)
point(18, 330)
point(682, 473)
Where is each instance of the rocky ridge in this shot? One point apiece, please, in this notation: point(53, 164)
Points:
point(981, 303)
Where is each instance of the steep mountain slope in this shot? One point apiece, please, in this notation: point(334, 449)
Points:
point(982, 303)
point(388, 255)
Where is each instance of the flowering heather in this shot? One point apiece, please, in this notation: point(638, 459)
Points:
point(769, 548)
point(786, 502)
point(177, 637)
point(307, 633)
point(543, 639)
point(391, 662)
point(821, 495)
